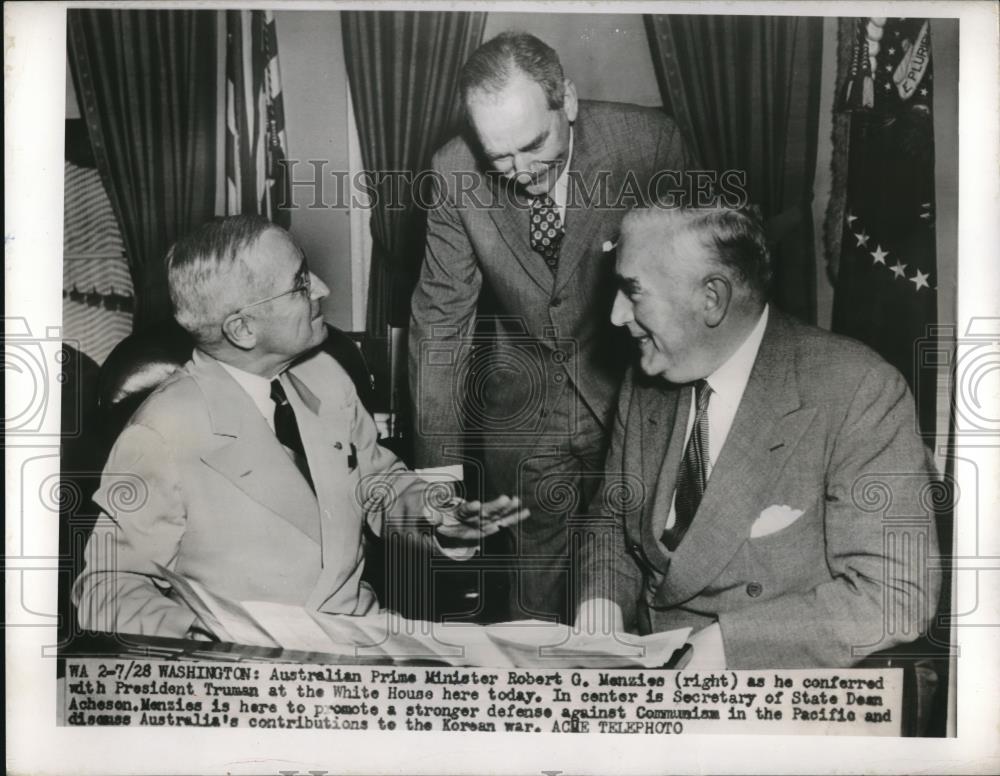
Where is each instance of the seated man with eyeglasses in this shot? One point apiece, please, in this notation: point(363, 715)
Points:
point(253, 469)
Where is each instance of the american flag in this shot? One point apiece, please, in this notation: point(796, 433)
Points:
point(256, 179)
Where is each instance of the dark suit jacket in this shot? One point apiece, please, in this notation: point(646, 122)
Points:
point(553, 327)
point(825, 426)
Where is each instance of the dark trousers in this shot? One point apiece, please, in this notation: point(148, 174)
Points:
point(556, 473)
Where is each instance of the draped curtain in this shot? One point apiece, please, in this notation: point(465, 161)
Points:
point(403, 68)
point(146, 83)
point(744, 91)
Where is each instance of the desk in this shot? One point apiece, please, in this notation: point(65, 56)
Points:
point(125, 646)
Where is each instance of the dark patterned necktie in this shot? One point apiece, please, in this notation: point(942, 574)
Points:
point(693, 475)
point(546, 230)
point(287, 430)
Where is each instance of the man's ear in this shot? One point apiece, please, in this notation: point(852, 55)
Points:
point(239, 331)
point(570, 104)
point(718, 296)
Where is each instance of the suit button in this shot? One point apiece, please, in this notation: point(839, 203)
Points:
point(634, 549)
point(754, 589)
point(555, 302)
point(338, 446)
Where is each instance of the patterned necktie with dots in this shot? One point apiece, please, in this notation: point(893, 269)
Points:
point(693, 476)
point(546, 230)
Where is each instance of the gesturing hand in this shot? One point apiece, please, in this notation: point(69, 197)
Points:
point(471, 520)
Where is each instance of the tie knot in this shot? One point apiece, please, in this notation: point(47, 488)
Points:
point(702, 393)
point(278, 392)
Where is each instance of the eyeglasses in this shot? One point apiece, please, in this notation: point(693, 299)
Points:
point(303, 286)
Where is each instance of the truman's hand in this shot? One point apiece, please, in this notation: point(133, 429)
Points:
point(472, 520)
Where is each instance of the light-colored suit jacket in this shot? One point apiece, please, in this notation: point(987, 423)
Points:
point(478, 260)
point(812, 541)
point(198, 483)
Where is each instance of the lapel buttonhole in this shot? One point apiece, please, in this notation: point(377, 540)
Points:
point(777, 446)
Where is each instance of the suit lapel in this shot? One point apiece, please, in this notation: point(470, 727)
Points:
point(513, 221)
point(249, 455)
point(656, 420)
point(666, 451)
point(584, 222)
point(325, 429)
point(767, 427)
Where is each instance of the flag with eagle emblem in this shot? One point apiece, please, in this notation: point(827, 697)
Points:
point(886, 290)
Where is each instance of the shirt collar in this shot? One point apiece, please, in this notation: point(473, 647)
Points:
point(562, 182)
point(730, 379)
point(257, 387)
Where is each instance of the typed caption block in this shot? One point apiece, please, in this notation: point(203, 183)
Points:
point(321, 697)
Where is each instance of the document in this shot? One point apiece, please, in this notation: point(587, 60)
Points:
point(520, 644)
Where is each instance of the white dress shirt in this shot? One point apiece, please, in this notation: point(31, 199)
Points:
point(728, 383)
point(257, 387)
point(561, 190)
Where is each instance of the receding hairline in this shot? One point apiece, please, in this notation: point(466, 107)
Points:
point(733, 240)
point(669, 220)
point(210, 277)
point(667, 229)
point(483, 93)
point(662, 254)
point(496, 62)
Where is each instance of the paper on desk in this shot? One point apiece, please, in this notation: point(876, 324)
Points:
point(226, 619)
point(451, 473)
point(538, 644)
point(521, 644)
point(619, 651)
point(475, 647)
point(294, 628)
point(387, 634)
point(384, 634)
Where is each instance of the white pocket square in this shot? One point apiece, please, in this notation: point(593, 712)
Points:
point(773, 519)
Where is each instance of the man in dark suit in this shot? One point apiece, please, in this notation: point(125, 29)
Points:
point(765, 482)
point(254, 468)
point(526, 208)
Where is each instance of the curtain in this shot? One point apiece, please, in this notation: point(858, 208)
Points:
point(744, 91)
point(402, 67)
point(146, 83)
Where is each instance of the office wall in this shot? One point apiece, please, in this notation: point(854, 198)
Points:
point(606, 55)
point(314, 81)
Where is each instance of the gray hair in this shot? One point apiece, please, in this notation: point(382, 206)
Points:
point(208, 276)
point(492, 66)
point(735, 236)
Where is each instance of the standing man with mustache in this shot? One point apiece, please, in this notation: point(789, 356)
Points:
point(509, 335)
